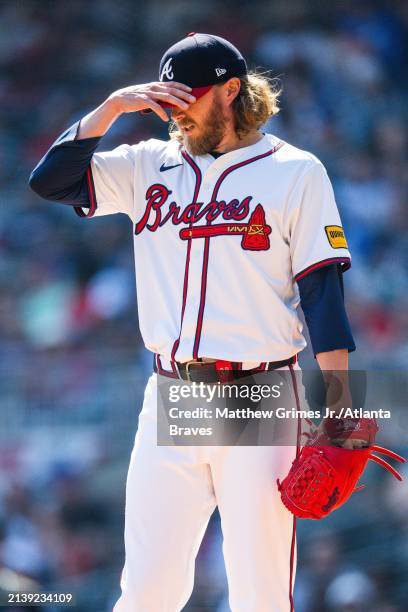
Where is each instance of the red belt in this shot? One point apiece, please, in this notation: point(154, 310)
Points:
point(215, 371)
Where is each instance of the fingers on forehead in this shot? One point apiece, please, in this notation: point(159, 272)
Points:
point(176, 84)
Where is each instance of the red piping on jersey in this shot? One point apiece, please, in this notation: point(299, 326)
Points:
point(204, 271)
point(91, 195)
point(198, 176)
point(325, 262)
point(207, 242)
point(161, 370)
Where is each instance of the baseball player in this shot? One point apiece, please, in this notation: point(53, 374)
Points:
point(233, 227)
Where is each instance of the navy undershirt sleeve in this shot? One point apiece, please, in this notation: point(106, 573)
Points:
point(60, 175)
point(322, 300)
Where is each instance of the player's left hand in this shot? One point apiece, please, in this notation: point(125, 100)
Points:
point(325, 473)
point(350, 433)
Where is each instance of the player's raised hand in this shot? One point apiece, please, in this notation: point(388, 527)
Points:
point(135, 98)
point(149, 95)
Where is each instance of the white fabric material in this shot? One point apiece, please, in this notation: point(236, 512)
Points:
point(250, 295)
point(171, 493)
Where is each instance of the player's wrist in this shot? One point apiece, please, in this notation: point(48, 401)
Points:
point(112, 105)
point(98, 122)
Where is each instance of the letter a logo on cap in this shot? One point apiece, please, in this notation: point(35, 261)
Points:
point(167, 70)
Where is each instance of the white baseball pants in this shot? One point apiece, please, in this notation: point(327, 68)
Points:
point(171, 493)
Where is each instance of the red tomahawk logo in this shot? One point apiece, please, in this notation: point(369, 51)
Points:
point(255, 233)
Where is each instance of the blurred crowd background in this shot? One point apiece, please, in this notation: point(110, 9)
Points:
point(72, 365)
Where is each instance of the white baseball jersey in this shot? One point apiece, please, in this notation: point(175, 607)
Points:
point(219, 243)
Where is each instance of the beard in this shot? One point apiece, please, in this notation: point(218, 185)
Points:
point(211, 131)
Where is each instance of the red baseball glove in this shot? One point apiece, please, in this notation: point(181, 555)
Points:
point(324, 475)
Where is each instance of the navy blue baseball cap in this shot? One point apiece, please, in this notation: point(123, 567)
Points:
point(201, 61)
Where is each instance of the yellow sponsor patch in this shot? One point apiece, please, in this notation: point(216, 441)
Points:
point(336, 237)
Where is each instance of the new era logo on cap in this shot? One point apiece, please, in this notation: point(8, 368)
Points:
point(220, 71)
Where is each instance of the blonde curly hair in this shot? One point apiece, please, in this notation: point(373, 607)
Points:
point(255, 103)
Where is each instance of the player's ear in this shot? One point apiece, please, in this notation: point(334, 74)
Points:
point(231, 89)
